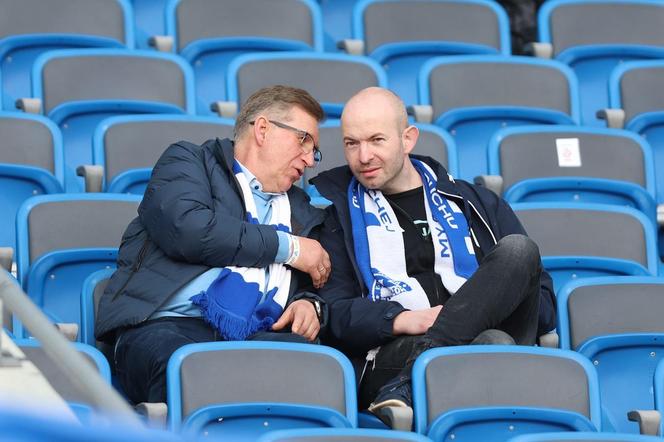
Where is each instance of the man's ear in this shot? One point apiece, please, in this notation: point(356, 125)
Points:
point(261, 126)
point(409, 138)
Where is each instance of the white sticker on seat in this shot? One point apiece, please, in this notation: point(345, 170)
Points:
point(569, 154)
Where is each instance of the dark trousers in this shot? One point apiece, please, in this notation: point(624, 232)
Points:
point(503, 294)
point(142, 353)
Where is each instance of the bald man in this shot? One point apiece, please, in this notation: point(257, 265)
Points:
point(419, 260)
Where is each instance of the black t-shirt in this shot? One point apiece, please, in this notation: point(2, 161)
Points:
point(420, 260)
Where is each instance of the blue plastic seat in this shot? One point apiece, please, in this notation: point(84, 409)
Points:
point(209, 34)
point(574, 164)
point(241, 390)
point(61, 240)
point(330, 78)
point(31, 163)
point(584, 436)
point(29, 28)
point(337, 18)
point(616, 323)
point(128, 146)
point(496, 392)
point(402, 35)
point(595, 36)
point(473, 96)
point(586, 240)
point(92, 289)
point(79, 88)
point(148, 20)
point(341, 435)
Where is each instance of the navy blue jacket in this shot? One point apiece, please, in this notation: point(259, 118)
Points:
point(192, 218)
point(357, 324)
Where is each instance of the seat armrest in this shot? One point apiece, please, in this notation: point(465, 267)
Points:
point(162, 43)
point(6, 258)
point(93, 177)
point(492, 182)
point(615, 118)
point(351, 46)
point(648, 421)
point(540, 50)
point(156, 413)
point(423, 113)
point(29, 105)
point(549, 340)
point(225, 109)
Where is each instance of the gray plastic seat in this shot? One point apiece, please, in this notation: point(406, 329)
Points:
point(500, 383)
point(330, 78)
point(124, 144)
point(250, 383)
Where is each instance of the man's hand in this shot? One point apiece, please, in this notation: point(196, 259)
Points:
point(313, 260)
point(302, 315)
point(415, 322)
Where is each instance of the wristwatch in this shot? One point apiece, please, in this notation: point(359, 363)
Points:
point(318, 308)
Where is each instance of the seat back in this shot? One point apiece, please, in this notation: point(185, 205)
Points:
point(259, 373)
point(31, 163)
point(569, 163)
point(64, 238)
point(583, 436)
point(568, 24)
point(594, 307)
point(638, 88)
point(330, 78)
point(341, 435)
point(589, 230)
point(60, 77)
point(191, 21)
point(466, 377)
point(126, 143)
point(474, 96)
point(98, 18)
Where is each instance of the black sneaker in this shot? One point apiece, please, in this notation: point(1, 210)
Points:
point(394, 404)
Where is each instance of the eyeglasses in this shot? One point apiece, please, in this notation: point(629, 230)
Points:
point(307, 143)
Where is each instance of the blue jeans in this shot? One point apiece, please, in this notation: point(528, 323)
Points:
point(142, 352)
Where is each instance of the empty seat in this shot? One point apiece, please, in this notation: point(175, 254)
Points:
point(473, 96)
point(402, 35)
point(244, 389)
point(64, 238)
point(31, 163)
point(433, 142)
point(341, 435)
point(330, 78)
point(584, 436)
point(593, 37)
point(127, 147)
point(616, 322)
point(498, 392)
point(79, 88)
point(582, 240)
point(211, 33)
point(574, 164)
point(31, 27)
point(148, 20)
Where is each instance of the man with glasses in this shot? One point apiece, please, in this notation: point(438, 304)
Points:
point(420, 260)
point(219, 250)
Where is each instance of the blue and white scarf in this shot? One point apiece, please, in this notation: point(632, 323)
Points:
point(245, 300)
point(379, 246)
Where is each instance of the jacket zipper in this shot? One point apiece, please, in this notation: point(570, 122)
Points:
point(135, 267)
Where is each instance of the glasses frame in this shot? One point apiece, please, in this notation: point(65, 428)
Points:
point(302, 134)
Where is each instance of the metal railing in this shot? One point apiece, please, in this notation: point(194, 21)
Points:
point(99, 394)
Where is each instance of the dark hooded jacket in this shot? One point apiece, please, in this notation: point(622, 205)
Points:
point(192, 218)
point(357, 324)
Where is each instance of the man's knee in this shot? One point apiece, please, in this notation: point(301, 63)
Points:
point(520, 251)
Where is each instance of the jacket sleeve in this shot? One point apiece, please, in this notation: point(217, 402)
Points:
point(182, 217)
point(356, 323)
point(510, 224)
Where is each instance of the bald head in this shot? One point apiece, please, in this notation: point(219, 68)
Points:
point(376, 102)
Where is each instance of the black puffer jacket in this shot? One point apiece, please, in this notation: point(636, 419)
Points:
point(192, 218)
point(358, 324)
